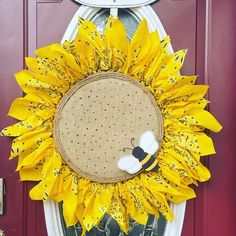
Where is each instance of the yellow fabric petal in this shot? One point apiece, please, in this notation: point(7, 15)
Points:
point(172, 112)
point(145, 65)
point(182, 97)
point(50, 173)
point(191, 92)
point(199, 143)
point(31, 84)
point(175, 81)
point(137, 44)
point(70, 201)
point(21, 108)
point(155, 182)
point(152, 71)
point(170, 65)
point(143, 204)
point(158, 200)
point(86, 47)
point(30, 174)
point(45, 91)
point(141, 64)
point(88, 30)
point(88, 58)
point(57, 191)
point(206, 120)
point(44, 150)
point(22, 127)
point(97, 205)
point(195, 168)
point(67, 61)
point(28, 141)
point(115, 38)
point(118, 209)
point(52, 69)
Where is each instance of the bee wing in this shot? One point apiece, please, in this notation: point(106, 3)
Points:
point(135, 169)
point(153, 149)
point(148, 142)
point(129, 164)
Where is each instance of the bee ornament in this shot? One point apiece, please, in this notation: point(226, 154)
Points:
point(142, 157)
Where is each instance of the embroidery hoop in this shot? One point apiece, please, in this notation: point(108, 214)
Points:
point(97, 118)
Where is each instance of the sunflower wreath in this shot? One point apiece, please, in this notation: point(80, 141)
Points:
point(56, 69)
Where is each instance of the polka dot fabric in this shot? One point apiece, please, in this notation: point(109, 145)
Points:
point(56, 69)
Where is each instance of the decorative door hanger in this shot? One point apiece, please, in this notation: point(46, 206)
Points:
point(108, 125)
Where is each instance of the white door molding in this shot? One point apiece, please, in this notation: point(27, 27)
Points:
point(115, 3)
point(51, 209)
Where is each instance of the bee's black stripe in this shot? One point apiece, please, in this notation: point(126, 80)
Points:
point(155, 168)
point(149, 162)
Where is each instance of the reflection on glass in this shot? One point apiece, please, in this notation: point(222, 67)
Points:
point(109, 227)
point(129, 19)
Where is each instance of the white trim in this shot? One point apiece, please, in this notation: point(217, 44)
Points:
point(115, 3)
point(52, 218)
point(174, 228)
point(114, 12)
point(51, 209)
point(54, 226)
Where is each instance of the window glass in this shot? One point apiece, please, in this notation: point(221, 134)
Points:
point(129, 19)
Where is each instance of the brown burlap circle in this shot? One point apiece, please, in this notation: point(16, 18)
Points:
point(98, 117)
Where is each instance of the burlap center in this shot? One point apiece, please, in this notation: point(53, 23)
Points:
point(97, 118)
